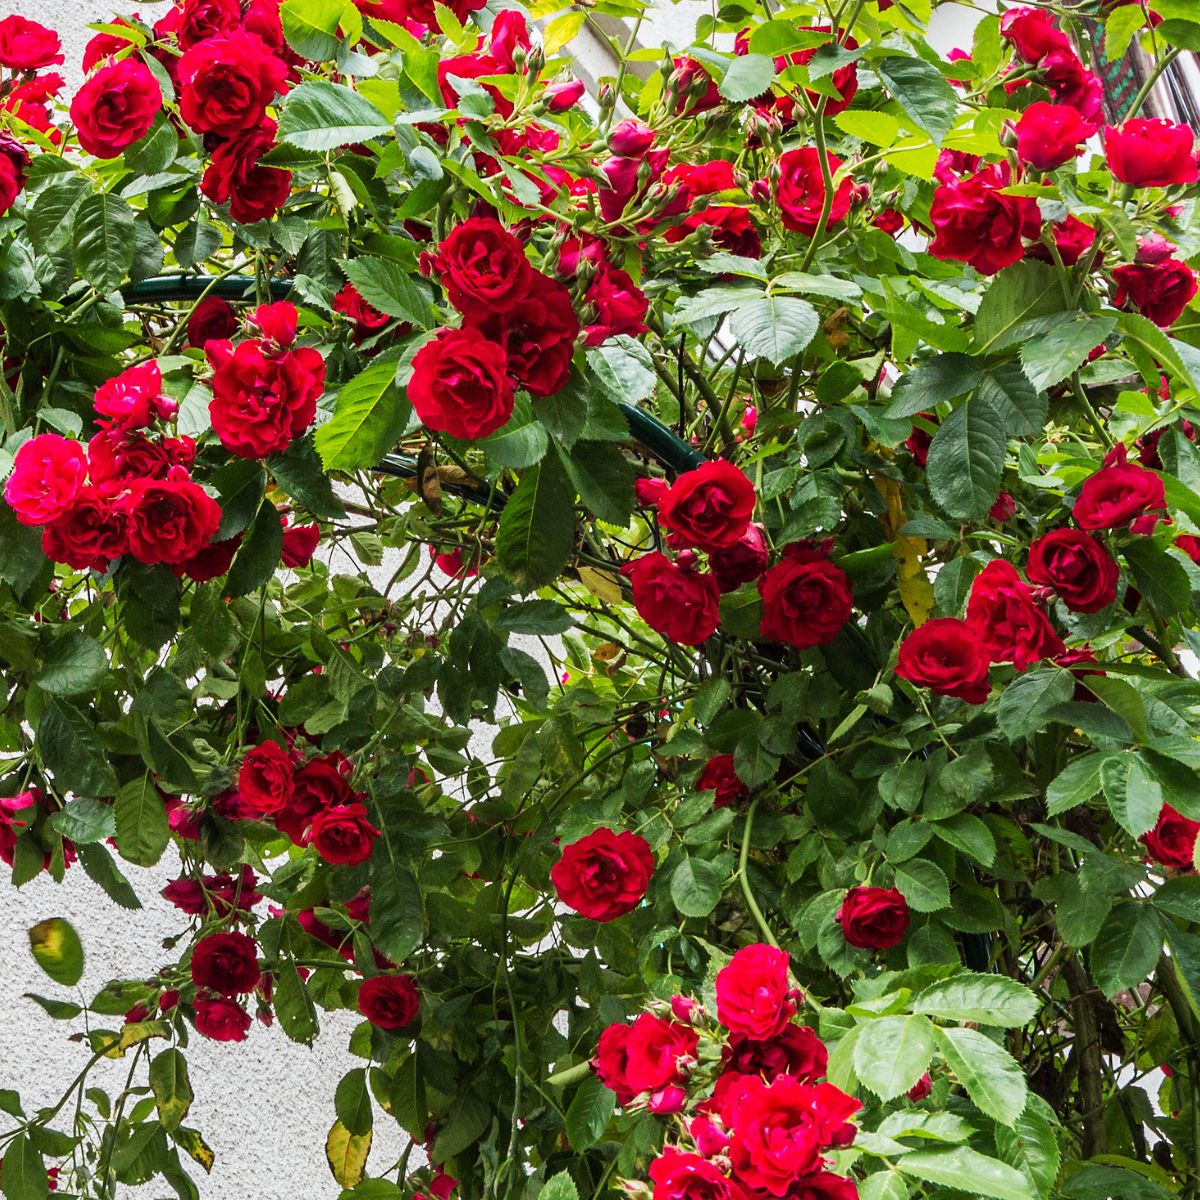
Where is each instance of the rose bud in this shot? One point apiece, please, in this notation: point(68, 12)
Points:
point(562, 96)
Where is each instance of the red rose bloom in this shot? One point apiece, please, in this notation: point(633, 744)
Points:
point(90, 534)
point(800, 192)
point(1033, 33)
point(343, 835)
point(742, 562)
point(708, 507)
point(619, 305)
point(538, 336)
point(299, 542)
point(389, 1001)
point(754, 996)
point(604, 875)
point(1118, 493)
point(679, 1176)
point(460, 385)
point(105, 45)
point(1077, 567)
point(235, 177)
point(14, 160)
point(226, 83)
point(169, 519)
point(222, 1020)
point(921, 1089)
point(209, 561)
point(611, 1061)
point(47, 475)
point(320, 784)
point(212, 320)
point(115, 107)
point(696, 88)
point(265, 779)
point(658, 1053)
point(1152, 153)
point(806, 601)
point(873, 918)
point(133, 398)
point(226, 963)
point(680, 604)
point(946, 656)
point(976, 223)
point(1049, 135)
point(729, 227)
point(795, 1051)
point(27, 46)
point(1073, 239)
point(482, 267)
point(1172, 841)
point(1003, 615)
point(199, 20)
point(366, 317)
point(719, 776)
point(1159, 290)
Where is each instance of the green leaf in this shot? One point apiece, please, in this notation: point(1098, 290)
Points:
point(922, 91)
point(1184, 34)
point(171, 1087)
point(293, 1005)
point(537, 527)
point(388, 287)
point(99, 867)
point(21, 557)
point(57, 1010)
point(1180, 897)
point(520, 442)
point(57, 950)
point(23, 1172)
point(1052, 356)
point(1076, 784)
point(259, 554)
point(74, 664)
point(1022, 410)
point(142, 829)
point(938, 381)
point(984, 999)
point(299, 472)
point(696, 886)
point(1126, 948)
point(559, 1187)
point(966, 459)
point(1133, 791)
point(322, 116)
point(588, 1114)
point(1016, 295)
point(987, 1071)
point(956, 1166)
point(398, 921)
point(625, 369)
point(603, 477)
point(352, 1101)
point(370, 417)
point(240, 486)
point(1098, 1181)
point(1160, 577)
point(84, 820)
point(923, 884)
point(71, 751)
point(469, 1116)
point(748, 76)
point(311, 26)
point(1025, 702)
point(104, 240)
point(892, 1053)
point(774, 327)
point(1031, 1144)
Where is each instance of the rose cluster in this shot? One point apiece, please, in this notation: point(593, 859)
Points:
point(755, 1116)
point(26, 50)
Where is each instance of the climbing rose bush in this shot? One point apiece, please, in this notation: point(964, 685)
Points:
point(671, 604)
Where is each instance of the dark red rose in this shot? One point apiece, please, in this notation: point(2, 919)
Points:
point(222, 1020)
point(221, 893)
point(90, 534)
point(265, 779)
point(1049, 135)
point(299, 542)
point(226, 83)
point(1002, 613)
point(708, 507)
point(604, 875)
point(226, 963)
point(679, 603)
point(921, 1089)
point(27, 46)
point(1172, 841)
point(47, 476)
point(1069, 82)
point(1003, 508)
point(719, 776)
point(844, 79)
point(117, 455)
point(806, 601)
point(482, 267)
point(105, 45)
point(754, 995)
point(729, 226)
point(560, 97)
point(1159, 290)
point(115, 107)
point(619, 305)
point(1072, 238)
point(133, 398)
point(890, 220)
point(1152, 153)
point(169, 519)
point(366, 318)
point(873, 918)
point(696, 88)
point(649, 490)
point(202, 19)
point(235, 177)
point(630, 138)
point(343, 835)
point(1190, 545)
point(946, 656)
point(1118, 493)
point(460, 385)
point(389, 1001)
point(680, 1176)
point(14, 160)
point(1077, 567)
point(1033, 33)
point(212, 320)
point(658, 1053)
point(823, 1186)
point(742, 562)
point(795, 1050)
point(918, 442)
point(209, 562)
point(800, 192)
point(538, 336)
point(976, 223)
point(320, 784)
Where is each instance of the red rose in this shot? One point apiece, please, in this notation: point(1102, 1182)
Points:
point(320, 784)
point(890, 220)
point(222, 1020)
point(1049, 135)
point(1033, 33)
point(620, 306)
point(47, 475)
point(946, 656)
point(538, 336)
point(105, 45)
point(209, 561)
point(389, 1001)
point(976, 223)
point(806, 601)
point(482, 267)
point(800, 192)
point(1073, 239)
point(1077, 567)
point(1152, 153)
point(169, 519)
point(1172, 841)
point(873, 918)
point(921, 1089)
point(719, 776)
point(265, 778)
point(1159, 290)
point(729, 227)
point(822, 1185)
point(133, 398)
point(343, 835)
point(918, 442)
point(212, 320)
point(680, 1176)
point(1118, 493)
point(611, 1061)
point(27, 46)
point(226, 963)
point(14, 160)
point(299, 542)
point(1003, 508)
point(679, 603)
point(115, 107)
point(366, 317)
point(117, 455)
point(226, 83)
point(235, 177)
point(696, 88)
point(658, 1053)
point(1190, 545)
point(1003, 615)
point(708, 507)
point(460, 385)
point(90, 534)
point(844, 79)
point(604, 875)
point(199, 20)
point(742, 562)
point(754, 995)
point(560, 97)
point(795, 1051)
point(263, 400)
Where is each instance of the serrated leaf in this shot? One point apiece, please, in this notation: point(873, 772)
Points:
point(74, 664)
point(1127, 947)
point(141, 819)
point(352, 1101)
point(1021, 409)
point(588, 1114)
point(1134, 793)
point(966, 459)
point(923, 92)
point(984, 999)
point(1051, 357)
point(259, 555)
point(603, 477)
point(987, 1071)
point(696, 886)
point(389, 288)
point(923, 884)
point(346, 1154)
point(774, 327)
point(748, 76)
point(892, 1053)
point(1025, 702)
point(322, 116)
point(537, 528)
point(369, 418)
point(956, 1165)
point(1031, 1144)
point(104, 240)
point(171, 1087)
point(938, 381)
point(1075, 785)
point(1017, 294)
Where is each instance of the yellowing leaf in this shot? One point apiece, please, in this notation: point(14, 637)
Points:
point(195, 1147)
point(560, 31)
point(346, 1154)
point(57, 950)
point(916, 592)
point(601, 584)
